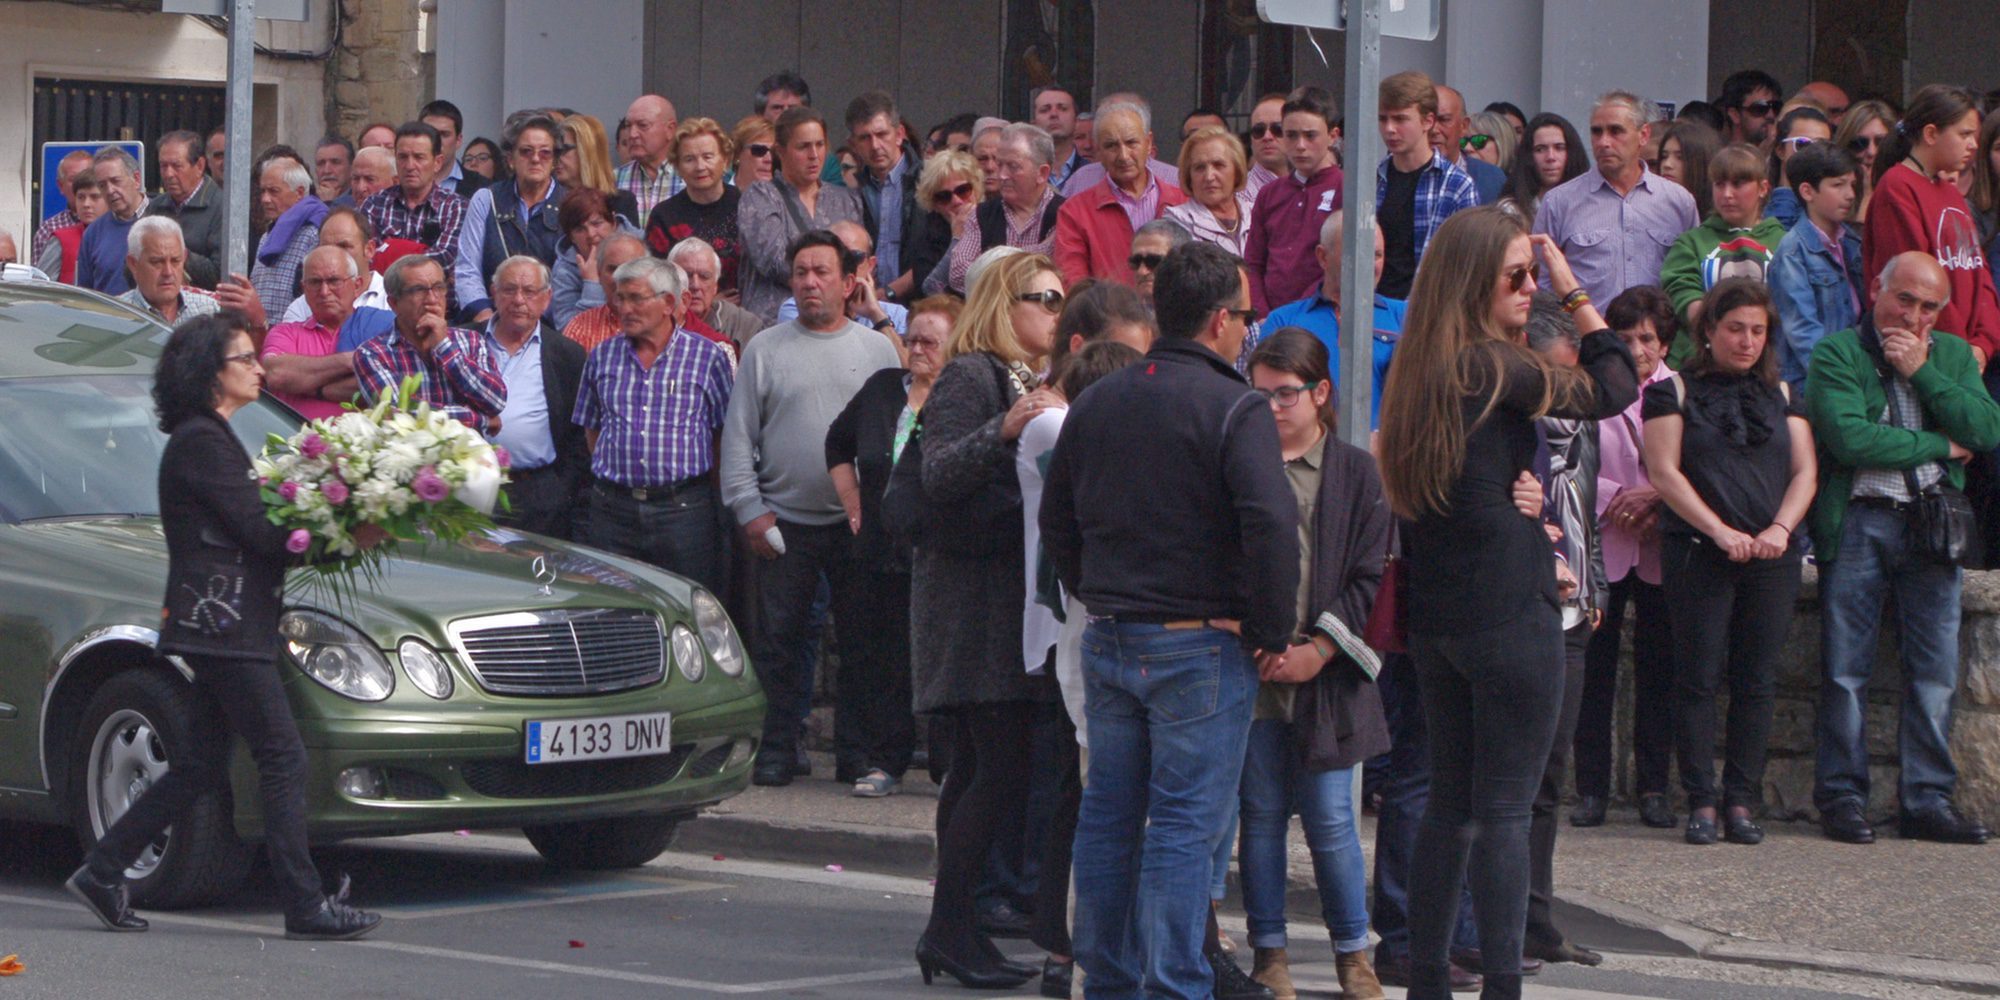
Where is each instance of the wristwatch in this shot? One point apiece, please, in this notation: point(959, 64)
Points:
point(886, 324)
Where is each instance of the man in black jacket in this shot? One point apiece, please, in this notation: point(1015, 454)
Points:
point(551, 462)
point(1188, 589)
point(187, 197)
point(890, 166)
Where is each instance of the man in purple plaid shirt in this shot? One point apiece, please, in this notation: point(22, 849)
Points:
point(651, 404)
point(459, 374)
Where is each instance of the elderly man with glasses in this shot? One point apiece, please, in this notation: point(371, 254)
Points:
point(550, 460)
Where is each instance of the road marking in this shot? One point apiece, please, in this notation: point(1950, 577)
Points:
point(509, 961)
point(422, 911)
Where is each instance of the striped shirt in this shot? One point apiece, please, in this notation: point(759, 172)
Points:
point(656, 426)
point(649, 191)
point(460, 376)
point(434, 222)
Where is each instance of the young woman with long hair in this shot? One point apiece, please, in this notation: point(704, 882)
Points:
point(1551, 153)
point(1910, 210)
point(1485, 636)
point(1864, 130)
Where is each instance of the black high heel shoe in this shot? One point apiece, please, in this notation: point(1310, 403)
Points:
point(999, 959)
point(980, 976)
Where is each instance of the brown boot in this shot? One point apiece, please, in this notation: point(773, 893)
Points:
point(1274, 970)
point(1357, 976)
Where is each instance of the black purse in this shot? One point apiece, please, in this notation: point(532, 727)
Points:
point(206, 602)
point(1943, 527)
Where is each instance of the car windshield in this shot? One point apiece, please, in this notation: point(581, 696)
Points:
point(87, 446)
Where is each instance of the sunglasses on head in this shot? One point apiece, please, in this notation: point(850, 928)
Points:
point(1520, 276)
point(1762, 108)
point(943, 196)
point(1475, 142)
point(1146, 261)
point(1050, 299)
point(1262, 129)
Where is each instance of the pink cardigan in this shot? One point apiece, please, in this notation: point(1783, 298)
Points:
point(1619, 467)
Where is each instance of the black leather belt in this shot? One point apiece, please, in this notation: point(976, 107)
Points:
point(1884, 503)
point(646, 493)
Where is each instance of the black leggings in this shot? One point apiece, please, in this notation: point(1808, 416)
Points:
point(1051, 928)
point(1652, 693)
point(248, 696)
point(988, 781)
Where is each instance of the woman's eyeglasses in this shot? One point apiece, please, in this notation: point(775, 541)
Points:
point(1863, 143)
point(943, 197)
point(1519, 276)
point(1049, 298)
point(759, 149)
point(246, 358)
point(1285, 397)
point(1476, 141)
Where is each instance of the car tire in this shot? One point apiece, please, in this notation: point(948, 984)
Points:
point(603, 844)
point(129, 732)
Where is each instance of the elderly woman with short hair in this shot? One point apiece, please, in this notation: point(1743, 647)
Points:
point(1213, 173)
point(948, 193)
point(706, 207)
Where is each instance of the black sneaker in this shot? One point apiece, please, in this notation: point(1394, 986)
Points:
point(110, 903)
point(1232, 983)
point(333, 921)
point(1845, 822)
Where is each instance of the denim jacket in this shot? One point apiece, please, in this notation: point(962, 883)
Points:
point(1815, 295)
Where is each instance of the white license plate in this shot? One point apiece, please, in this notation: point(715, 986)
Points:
point(553, 741)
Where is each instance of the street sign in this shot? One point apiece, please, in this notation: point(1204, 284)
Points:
point(52, 155)
point(267, 10)
point(1418, 19)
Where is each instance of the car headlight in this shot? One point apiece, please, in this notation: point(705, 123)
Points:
point(333, 653)
point(425, 668)
point(687, 654)
point(718, 634)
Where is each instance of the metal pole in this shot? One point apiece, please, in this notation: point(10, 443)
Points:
point(1357, 249)
point(237, 185)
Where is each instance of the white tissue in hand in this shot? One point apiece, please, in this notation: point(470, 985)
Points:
point(775, 539)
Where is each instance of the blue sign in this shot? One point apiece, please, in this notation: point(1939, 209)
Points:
point(53, 200)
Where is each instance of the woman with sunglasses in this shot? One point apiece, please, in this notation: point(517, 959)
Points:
point(948, 193)
point(1552, 154)
point(1491, 138)
point(1796, 128)
point(520, 216)
point(583, 160)
point(965, 606)
point(1863, 130)
point(754, 140)
point(1913, 210)
point(1318, 713)
point(1485, 637)
point(794, 201)
point(1214, 173)
point(217, 534)
point(706, 207)
point(1729, 449)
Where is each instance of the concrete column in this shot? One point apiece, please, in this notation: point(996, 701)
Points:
point(1656, 50)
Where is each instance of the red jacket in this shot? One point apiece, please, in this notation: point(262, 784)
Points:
point(1284, 229)
point(71, 238)
point(1094, 236)
point(1910, 212)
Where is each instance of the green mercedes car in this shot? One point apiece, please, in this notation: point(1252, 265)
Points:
point(509, 680)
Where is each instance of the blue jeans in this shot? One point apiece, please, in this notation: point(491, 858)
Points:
point(1875, 559)
point(1169, 713)
point(1406, 793)
point(1274, 780)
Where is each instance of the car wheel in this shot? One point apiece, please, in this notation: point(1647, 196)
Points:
point(600, 844)
point(124, 745)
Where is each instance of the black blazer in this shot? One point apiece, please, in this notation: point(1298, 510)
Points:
point(864, 433)
point(216, 532)
point(562, 376)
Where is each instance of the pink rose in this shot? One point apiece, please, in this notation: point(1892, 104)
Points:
point(500, 455)
point(299, 541)
point(335, 491)
point(429, 487)
point(313, 446)
point(289, 491)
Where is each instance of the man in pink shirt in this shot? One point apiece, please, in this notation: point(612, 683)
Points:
point(301, 367)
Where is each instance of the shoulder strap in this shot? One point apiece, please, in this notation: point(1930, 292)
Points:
point(1680, 391)
point(794, 207)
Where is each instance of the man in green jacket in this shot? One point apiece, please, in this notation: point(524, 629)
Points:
point(1897, 409)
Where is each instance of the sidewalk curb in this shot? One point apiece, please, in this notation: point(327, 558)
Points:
point(1615, 925)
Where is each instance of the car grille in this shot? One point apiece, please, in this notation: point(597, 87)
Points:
point(512, 779)
point(710, 763)
point(562, 652)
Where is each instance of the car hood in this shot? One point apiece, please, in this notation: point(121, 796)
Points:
point(424, 585)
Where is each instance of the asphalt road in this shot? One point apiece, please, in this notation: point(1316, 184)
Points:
point(481, 916)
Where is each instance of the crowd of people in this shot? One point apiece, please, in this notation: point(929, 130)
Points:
point(1043, 427)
